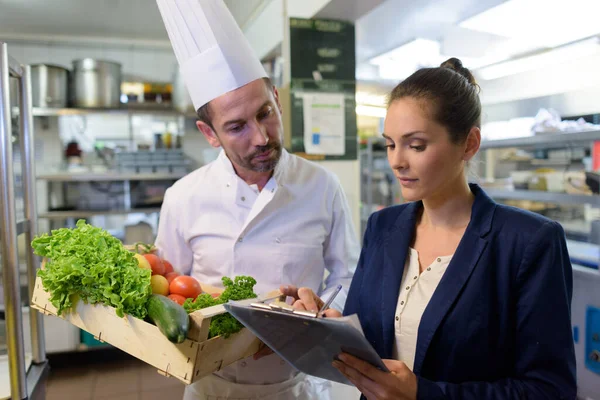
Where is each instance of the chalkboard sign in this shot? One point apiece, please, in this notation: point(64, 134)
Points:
point(322, 61)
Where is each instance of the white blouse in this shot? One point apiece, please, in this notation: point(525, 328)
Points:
point(415, 292)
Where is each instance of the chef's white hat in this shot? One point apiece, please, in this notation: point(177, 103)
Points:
point(213, 54)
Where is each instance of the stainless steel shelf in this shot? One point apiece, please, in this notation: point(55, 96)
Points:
point(547, 197)
point(55, 112)
point(91, 213)
point(544, 141)
point(87, 177)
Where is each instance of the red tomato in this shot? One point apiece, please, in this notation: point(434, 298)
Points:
point(177, 298)
point(168, 267)
point(185, 286)
point(158, 268)
point(170, 276)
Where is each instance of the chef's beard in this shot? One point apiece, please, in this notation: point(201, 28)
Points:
point(251, 164)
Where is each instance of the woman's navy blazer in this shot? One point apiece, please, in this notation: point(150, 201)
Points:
point(498, 325)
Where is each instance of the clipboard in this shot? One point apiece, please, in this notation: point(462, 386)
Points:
point(307, 342)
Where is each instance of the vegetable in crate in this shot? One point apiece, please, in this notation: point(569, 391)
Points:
point(89, 263)
point(170, 318)
point(225, 324)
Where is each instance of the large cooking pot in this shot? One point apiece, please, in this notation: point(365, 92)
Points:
point(49, 86)
point(96, 83)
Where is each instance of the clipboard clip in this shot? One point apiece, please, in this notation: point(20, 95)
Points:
point(289, 310)
point(282, 309)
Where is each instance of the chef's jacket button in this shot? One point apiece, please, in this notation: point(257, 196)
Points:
point(243, 198)
point(401, 303)
point(397, 318)
point(439, 260)
point(228, 185)
point(429, 269)
point(416, 276)
point(277, 240)
point(243, 363)
point(408, 287)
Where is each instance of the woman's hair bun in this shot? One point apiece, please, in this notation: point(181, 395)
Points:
point(456, 65)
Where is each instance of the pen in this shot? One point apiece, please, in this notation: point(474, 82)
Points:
point(328, 302)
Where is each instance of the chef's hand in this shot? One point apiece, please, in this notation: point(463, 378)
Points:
point(305, 299)
point(399, 383)
point(263, 351)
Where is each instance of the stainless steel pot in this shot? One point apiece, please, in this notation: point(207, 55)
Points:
point(96, 83)
point(49, 85)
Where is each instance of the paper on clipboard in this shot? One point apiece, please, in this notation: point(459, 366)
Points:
point(308, 344)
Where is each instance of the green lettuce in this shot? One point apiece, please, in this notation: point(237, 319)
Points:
point(90, 264)
point(241, 288)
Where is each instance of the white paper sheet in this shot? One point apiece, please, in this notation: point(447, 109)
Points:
point(324, 123)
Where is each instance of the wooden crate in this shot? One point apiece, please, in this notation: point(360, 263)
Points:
point(189, 361)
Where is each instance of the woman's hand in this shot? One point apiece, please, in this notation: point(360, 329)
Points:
point(399, 383)
point(305, 299)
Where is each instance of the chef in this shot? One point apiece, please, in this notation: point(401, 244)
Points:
point(256, 210)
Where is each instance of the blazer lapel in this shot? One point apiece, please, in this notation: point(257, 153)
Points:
point(395, 249)
point(457, 274)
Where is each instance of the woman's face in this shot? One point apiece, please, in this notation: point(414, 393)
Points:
point(425, 162)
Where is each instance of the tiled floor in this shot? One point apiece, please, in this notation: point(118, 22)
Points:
point(112, 374)
point(126, 379)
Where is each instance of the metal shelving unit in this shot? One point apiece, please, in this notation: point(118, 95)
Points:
point(548, 141)
point(25, 381)
point(56, 112)
point(376, 179)
point(544, 141)
point(91, 213)
point(106, 177)
point(547, 197)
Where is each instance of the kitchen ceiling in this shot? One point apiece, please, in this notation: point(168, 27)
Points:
point(122, 19)
point(381, 25)
point(389, 24)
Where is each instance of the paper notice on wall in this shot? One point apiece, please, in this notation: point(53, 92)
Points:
point(324, 124)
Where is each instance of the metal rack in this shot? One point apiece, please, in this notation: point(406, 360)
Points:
point(546, 141)
point(24, 382)
point(375, 171)
point(548, 197)
point(56, 112)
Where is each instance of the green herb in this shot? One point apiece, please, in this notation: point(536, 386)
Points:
point(224, 325)
point(88, 263)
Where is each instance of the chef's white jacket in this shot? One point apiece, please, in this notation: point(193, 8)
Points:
point(213, 224)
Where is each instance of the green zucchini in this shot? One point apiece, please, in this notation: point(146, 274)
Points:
point(170, 318)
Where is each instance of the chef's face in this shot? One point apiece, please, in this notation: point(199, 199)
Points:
point(247, 125)
point(424, 160)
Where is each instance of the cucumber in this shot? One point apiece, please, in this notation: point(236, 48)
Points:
point(170, 318)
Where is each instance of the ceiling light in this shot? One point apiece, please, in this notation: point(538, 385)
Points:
point(402, 61)
point(552, 57)
point(370, 111)
point(540, 22)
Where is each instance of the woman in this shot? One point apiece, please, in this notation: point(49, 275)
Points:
point(463, 298)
